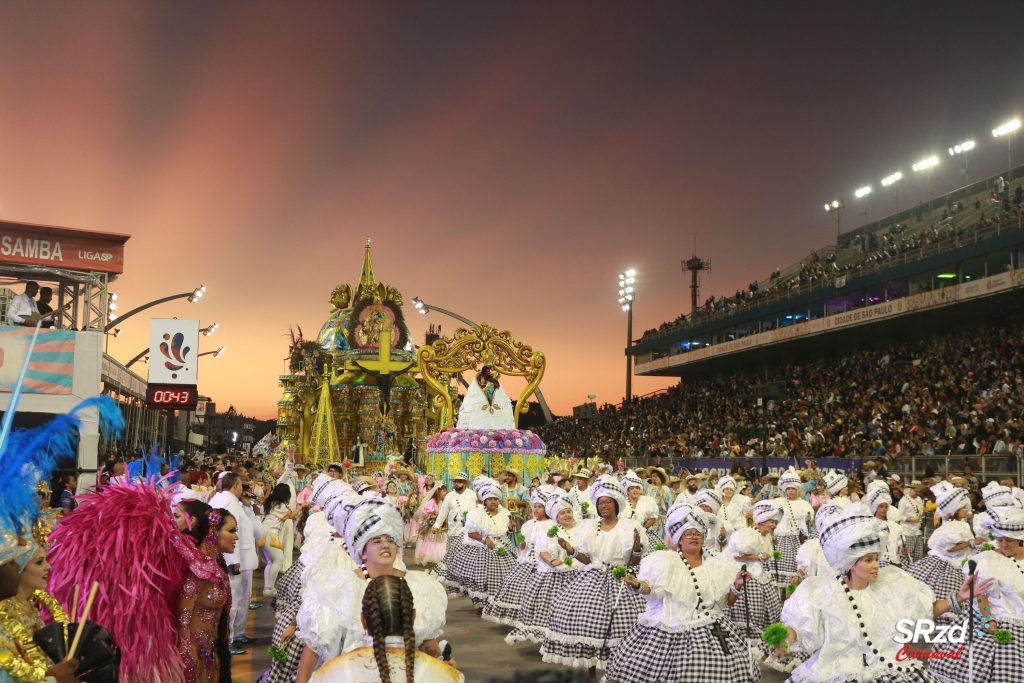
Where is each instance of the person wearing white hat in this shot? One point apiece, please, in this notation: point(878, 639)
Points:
point(995, 495)
point(949, 546)
point(689, 495)
point(710, 501)
point(683, 636)
point(894, 550)
point(838, 486)
point(642, 509)
point(372, 532)
point(911, 509)
point(848, 625)
point(734, 506)
point(810, 559)
point(503, 607)
point(580, 494)
point(595, 614)
point(455, 507)
point(953, 506)
point(753, 547)
point(555, 569)
point(997, 653)
point(486, 556)
point(792, 529)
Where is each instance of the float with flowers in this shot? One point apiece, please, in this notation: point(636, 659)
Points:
point(485, 451)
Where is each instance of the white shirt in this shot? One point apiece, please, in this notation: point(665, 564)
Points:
point(578, 497)
point(453, 509)
point(548, 544)
point(610, 548)
point(687, 497)
point(750, 541)
point(794, 517)
point(672, 604)
point(480, 522)
point(645, 509)
point(245, 552)
point(21, 306)
point(911, 507)
point(1007, 592)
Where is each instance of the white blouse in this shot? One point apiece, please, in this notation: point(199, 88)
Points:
point(911, 507)
point(810, 559)
point(1007, 592)
point(548, 544)
point(484, 524)
point(794, 517)
point(672, 604)
point(645, 509)
point(750, 541)
point(529, 532)
point(610, 548)
point(828, 629)
point(891, 535)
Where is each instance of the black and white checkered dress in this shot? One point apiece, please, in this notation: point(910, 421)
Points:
point(915, 546)
point(479, 571)
point(286, 606)
point(993, 662)
point(785, 567)
point(764, 605)
point(941, 575)
point(535, 611)
point(503, 607)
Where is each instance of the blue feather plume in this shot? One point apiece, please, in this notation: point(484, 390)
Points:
point(153, 464)
point(31, 455)
point(134, 471)
point(175, 469)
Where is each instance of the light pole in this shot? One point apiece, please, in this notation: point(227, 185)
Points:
point(1007, 130)
point(961, 151)
point(891, 180)
point(835, 207)
point(193, 297)
point(926, 165)
point(626, 297)
point(207, 331)
point(862, 194)
point(423, 308)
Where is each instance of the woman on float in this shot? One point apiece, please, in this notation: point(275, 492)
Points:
point(504, 607)
point(486, 556)
point(388, 615)
point(595, 613)
point(792, 529)
point(847, 624)
point(997, 655)
point(753, 547)
point(683, 636)
point(372, 532)
point(555, 570)
point(642, 509)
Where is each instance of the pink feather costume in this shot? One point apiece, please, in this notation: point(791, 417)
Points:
point(125, 538)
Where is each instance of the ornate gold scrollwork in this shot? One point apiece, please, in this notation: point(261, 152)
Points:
point(468, 349)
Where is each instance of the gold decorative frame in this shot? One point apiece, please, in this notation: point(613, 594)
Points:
point(468, 349)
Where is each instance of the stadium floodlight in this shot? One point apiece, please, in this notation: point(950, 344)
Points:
point(892, 179)
point(926, 164)
point(1010, 126)
point(627, 279)
point(420, 306)
point(862, 192)
point(963, 147)
point(835, 207)
point(1007, 130)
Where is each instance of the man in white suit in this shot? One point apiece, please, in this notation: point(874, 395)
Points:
point(242, 562)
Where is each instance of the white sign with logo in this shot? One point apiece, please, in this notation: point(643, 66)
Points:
point(173, 351)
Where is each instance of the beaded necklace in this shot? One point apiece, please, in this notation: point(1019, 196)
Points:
point(696, 586)
point(864, 634)
point(366, 573)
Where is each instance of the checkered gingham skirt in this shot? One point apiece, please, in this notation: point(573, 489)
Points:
point(443, 570)
point(590, 620)
point(287, 603)
point(993, 663)
point(479, 571)
point(915, 546)
point(922, 676)
point(765, 608)
point(543, 590)
point(503, 607)
point(942, 577)
point(655, 535)
point(785, 568)
point(651, 655)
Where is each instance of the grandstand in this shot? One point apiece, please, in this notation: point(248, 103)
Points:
point(946, 254)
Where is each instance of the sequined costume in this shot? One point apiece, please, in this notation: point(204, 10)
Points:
point(205, 597)
point(20, 657)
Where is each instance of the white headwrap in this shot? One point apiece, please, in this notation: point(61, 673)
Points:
point(681, 517)
point(631, 480)
point(726, 482)
point(337, 509)
point(829, 509)
point(996, 495)
point(849, 536)
point(711, 498)
point(363, 485)
point(556, 504)
point(487, 490)
point(835, 481)
point(949, 499)
point(541, 494)
point(1008, 522)
point(876, 496)
point(948, 535)
point(766, 510)
point(607, 486)
point(790, 479)
point(318, 485)
point(369, 519)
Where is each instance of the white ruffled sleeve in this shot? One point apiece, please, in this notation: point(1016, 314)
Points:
point(802, 612)
point(661, 570)
point(431, 603)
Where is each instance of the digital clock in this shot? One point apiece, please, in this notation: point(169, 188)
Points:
point(173, 396)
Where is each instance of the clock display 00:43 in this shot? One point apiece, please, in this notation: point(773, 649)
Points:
point(182, 396)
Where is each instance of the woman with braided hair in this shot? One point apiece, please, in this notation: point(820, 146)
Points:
point(388, 613)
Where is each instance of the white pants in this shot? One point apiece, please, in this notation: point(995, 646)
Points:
point(241, 592)
point(275, 563)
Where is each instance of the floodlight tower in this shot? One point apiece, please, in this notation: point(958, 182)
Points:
point(695, 266)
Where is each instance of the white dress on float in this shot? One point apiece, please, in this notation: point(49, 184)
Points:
point(477, 413)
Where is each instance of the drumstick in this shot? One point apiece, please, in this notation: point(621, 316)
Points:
point(85, 617)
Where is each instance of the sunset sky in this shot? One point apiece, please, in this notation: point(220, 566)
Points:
point(507, 159)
